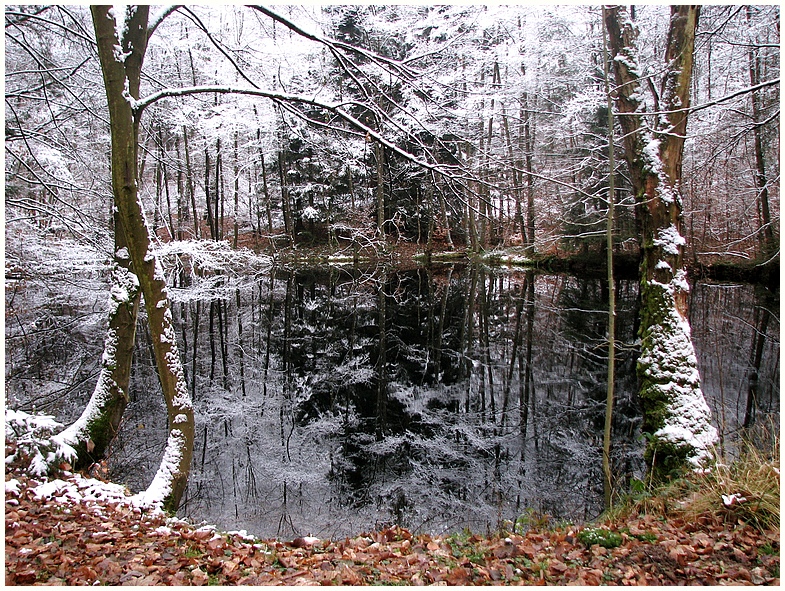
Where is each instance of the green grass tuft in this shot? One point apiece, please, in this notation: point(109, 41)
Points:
point(598, 535)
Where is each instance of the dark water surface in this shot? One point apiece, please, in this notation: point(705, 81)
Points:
point(331, 402)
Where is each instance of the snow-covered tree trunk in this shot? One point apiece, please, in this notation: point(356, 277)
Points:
point(675, 412)
point(122, 41)
point(92, 433)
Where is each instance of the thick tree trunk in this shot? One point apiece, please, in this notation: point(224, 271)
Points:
point(121, 71)
point(675, 412)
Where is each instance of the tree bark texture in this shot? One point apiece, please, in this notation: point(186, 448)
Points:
point(675, 412)
point(121, 63)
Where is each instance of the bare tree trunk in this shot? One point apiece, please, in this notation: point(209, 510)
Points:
point(218, 193)
point(197, 306)
point(445, 218)
point(381, 365)
point(240, 350)
point(182, 210)
point(209, 202)
point(351, 183)
point(378, 151)
point(222, 334)
point(165, 174)
point(482, 173)
point(768, 244)
point(267, 200)
point(528, 150)
point(158, 187)
point(211, 329)
point(606, 439)
point(236, 191)
point(286, 204)
point(517, 179)
point(189, 183)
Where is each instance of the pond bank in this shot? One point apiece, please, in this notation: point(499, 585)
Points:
point(404, 254)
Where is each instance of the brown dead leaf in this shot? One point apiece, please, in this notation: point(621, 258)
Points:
point(24, 577)
point(349, 577)
point(557, 567)
point(120, 545)
point(458, 576)
point(682, 554)
point(198, 577)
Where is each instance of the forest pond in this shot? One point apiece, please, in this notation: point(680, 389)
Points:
point(333, 401)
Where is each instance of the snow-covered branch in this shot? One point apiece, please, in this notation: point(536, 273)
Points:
point(159, 17)
point(334, 107)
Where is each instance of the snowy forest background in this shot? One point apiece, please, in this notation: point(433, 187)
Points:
point(493, 383)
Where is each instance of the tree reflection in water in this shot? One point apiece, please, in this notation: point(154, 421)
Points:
point(334, 401)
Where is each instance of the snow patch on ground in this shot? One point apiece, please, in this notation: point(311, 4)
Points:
point(77, 489)
point(12, 487)
point(32, 435)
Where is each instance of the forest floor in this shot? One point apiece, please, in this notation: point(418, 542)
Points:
point(59, 533)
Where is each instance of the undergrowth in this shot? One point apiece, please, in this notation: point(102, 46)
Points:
point(741, 489)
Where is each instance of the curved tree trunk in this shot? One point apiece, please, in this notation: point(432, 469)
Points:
point(121, 62)
point(675, 412)
point(93, 432)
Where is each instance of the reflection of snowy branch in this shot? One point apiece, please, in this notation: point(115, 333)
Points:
point(208, 269)
point(206, 256)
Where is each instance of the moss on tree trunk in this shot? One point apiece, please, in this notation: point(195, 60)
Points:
point(675, 414)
